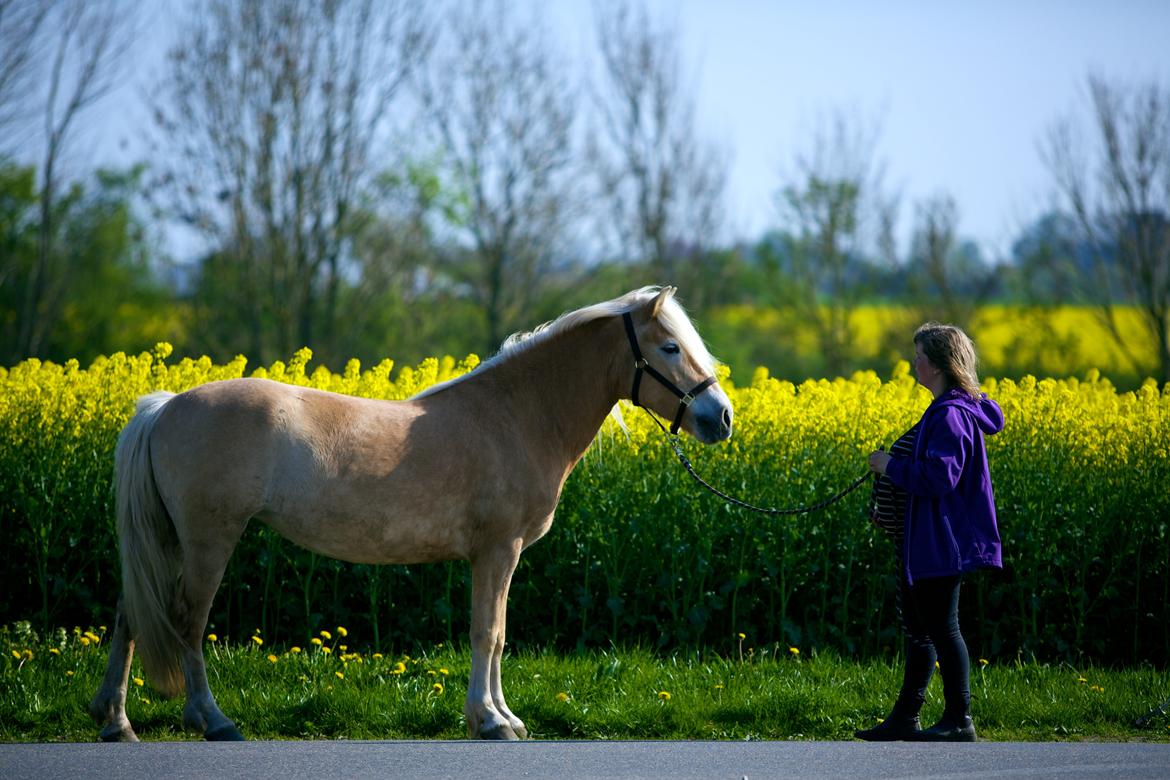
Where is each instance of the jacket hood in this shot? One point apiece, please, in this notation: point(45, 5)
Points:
point(986, 413)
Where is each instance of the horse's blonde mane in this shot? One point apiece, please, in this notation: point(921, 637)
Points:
point(671, 316)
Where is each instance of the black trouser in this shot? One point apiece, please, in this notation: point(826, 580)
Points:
point(929, 610)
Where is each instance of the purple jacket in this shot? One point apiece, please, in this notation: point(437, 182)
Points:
point(950, 514)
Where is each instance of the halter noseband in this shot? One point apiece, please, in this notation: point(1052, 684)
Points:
point(640, 365)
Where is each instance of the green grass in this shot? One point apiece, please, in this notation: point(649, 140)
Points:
point(622, 694)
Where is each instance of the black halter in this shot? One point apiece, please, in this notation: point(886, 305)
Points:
point(640, 365)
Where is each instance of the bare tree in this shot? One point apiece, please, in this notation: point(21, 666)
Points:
point(946, 280)
point(834, 215)
point(275, 115)
point(86, 45)
point(664, 186)
point(1118, 192)
point(503, 110)
point(21, 32)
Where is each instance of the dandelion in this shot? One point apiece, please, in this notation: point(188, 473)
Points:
point(664, 695)
point(742, 636)
point(438, 689)
point(562, 696)
point(399, 668)
point(443, 671)
point(16, 654)
point(431, 672)
point(326, 650)
point(27, 654)
point(139, 681)
point(316, 641)
point(102, 629)
point(983, 662)
point(343, 648)
point(326, 635)
point(69, 673)
point(54, 651)
point(1096, 688)
point(794, 651)
point(272, 658)
point(92, 637)
point(377, 656)
point(1082, 680)
point(339, 675)
point(212, 638)
point(303, 678)
point(257, 640)
point(341, 632)
point(84, 641)
point(718, 686)
point(294, 650)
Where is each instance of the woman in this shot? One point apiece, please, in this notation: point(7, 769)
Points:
point(934, 495)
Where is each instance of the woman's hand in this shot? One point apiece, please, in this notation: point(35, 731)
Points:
point(878, 460)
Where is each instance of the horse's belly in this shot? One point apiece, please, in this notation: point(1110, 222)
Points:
point(400, 540)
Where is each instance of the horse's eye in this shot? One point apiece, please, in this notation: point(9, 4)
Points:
point(670, 348)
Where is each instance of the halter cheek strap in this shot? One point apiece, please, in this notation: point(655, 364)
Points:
point(641, 365)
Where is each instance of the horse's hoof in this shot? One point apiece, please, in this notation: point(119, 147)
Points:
point(501, 731)
point(118, 733)
point(225, 733)
point(520, 729)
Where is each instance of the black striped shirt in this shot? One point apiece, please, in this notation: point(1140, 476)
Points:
point(887, 501)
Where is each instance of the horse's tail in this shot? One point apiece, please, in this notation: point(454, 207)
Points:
point(150, 551)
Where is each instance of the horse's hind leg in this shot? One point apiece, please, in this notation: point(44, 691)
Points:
point(204, 562)
point(108, 707)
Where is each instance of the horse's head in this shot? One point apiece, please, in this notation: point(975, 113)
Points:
point(671, 373)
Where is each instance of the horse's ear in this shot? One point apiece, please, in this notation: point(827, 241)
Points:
point(663, 294)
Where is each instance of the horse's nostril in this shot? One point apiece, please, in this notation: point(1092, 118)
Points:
point(727, 417)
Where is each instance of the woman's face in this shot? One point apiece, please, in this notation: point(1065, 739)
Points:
point(923, 368)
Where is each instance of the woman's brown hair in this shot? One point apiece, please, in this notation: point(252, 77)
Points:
point(949, 349)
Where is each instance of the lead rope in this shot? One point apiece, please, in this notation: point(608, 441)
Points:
point(673, 439)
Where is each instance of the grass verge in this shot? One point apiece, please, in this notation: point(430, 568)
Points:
point(325, 690)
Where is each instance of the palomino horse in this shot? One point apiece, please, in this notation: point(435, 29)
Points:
point(469, 469)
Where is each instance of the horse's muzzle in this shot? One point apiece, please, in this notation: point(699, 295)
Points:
point(713, 418)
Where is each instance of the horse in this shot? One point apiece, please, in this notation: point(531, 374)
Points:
point(469, 469)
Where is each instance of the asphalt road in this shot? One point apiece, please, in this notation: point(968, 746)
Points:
point(571, 760)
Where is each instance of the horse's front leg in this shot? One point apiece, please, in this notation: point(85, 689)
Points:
point(491, 576)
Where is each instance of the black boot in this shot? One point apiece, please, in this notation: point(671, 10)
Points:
point(950, 728)
point(895, 727)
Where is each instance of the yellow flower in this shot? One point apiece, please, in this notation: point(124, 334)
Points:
point(1082, 680)
point(343, 648)
point(718, 686)
point(326, 635)
point(326, 650)
point(399, 668)
point(316, 641)
point(377, 656)
point(431, 672)
point(69, 673)
point(341, 632)
point(294, 650)
point(794, 651)
point(664, 695)
point(54, 651)
point(272, 658)
point(102, 629)
point(339, 675)
point(443, 671)
point(1096, 688)
point(27, 654)
point(257, 640)
point(84, 642)
point(562, 696)
point(983, 662)
point(437, 688)
point(16, 654)
point(742, 635)
point(212, 638)
point(93, 637)
point(139, 681)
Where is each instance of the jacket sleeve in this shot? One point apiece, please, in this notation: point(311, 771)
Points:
point(946, 445)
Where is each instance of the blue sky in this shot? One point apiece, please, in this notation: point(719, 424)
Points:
point(962, 92)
